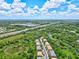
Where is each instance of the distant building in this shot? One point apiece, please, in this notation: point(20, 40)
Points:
point(38, 44)
point(26, 25)
point(47, 44)
point(39, 48)
point(39, 54)
point(45, 40)
point(49, 48)
point(37, 40)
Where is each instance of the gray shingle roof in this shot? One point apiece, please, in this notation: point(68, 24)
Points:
point(52, 53)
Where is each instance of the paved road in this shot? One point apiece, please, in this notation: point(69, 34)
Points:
point(44, 50)
point(17, 32)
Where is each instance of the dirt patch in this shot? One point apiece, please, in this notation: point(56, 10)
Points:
point(14, 49)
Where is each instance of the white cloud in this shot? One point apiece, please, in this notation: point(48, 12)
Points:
point(1, 1)
point(2, 12)
point(16, 9)
point(18, 5)
point(71, 6)
point(50, 4)
point(32, 11)
point(77, 9)
point(4, 6)
point(58, 1)
point(17, 0)
point(65, 14)
point(36, 7)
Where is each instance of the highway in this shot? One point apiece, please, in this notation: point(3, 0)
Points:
point(17, 32)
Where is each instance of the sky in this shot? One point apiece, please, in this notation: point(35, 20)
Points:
point(39, 9)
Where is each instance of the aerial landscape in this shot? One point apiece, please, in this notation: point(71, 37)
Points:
point(39, 29)
point(44, 39)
